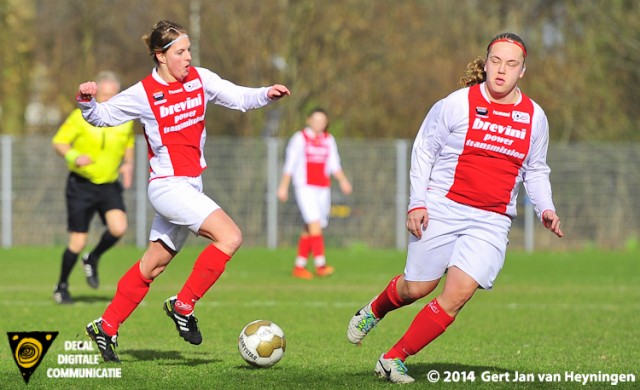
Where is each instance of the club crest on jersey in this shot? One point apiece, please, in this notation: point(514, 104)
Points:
point(192, 85)
point(157, 96)
point(482, 110)
point(521, 117)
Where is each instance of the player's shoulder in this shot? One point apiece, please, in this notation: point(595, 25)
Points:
point(454, 99)
point(298, 135)
point(453, 104)
point(206, 75)
point(537, 107)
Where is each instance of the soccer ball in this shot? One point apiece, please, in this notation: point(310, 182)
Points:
point(261, 343)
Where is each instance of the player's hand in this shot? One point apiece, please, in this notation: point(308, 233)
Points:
point(126, 170)
point(86, 91)
point(283, 194)
point(417, 221)
point(551, 221)
point(277, 91)
point(345, 187)
point(83, 160)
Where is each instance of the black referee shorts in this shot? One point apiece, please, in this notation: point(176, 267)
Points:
point(85, 198)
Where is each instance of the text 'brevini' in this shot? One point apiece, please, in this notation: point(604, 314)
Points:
point(479, 124)
point(182, 106)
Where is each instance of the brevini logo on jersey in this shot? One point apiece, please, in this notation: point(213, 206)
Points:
point(317, 153)
point(479, 124)
point(188, 104)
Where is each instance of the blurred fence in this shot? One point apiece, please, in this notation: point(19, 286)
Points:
point(596, 192)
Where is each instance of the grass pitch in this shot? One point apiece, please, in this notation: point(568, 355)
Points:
point(550, 316)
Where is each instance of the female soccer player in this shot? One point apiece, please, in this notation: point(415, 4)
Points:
point(311, 158)
point(171, 104)
point(475, 148)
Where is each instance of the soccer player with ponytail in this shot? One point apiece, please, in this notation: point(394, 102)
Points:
point(473, 150)
point(171, 103)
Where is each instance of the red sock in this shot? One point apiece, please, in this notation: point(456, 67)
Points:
point(206, 271)
point(132, 288)
point(388, 300)
point(428, 324)
point(304, 246)
point(317, 245)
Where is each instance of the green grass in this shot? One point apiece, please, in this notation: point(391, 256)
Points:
point(548, 313)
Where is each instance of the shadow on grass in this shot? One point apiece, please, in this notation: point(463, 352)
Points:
point(173, 358)
point(92, 298)
point(247, 367)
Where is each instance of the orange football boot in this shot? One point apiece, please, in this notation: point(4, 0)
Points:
point(302, 273)
point(325, 270)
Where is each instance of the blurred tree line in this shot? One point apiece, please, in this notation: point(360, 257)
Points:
point(376, 65)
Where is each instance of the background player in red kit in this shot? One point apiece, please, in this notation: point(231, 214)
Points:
point(475, 148)
point(311, 158)
point(171, 104)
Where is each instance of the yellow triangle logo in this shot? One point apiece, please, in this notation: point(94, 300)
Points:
point(28, 349)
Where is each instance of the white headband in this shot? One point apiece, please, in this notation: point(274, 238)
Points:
point(174, 41)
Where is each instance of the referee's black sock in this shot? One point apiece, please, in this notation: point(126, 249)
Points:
point(106, 241)
point(68, 261)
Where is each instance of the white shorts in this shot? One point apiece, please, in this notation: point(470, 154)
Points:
point(460, 236)
point(314, 203)
point(180, 207)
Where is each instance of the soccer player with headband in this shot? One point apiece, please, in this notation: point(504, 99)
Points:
point(474, 149)
point(171, 104)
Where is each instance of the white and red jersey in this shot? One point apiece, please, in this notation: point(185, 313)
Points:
point(173, 116)
point(477, 152)
point(311, 159)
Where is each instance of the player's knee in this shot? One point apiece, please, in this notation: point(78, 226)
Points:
point(231, 242)
point(414, 291)
point(77, 242)
point(118, 230)
point(234, 242)
point(76, 247)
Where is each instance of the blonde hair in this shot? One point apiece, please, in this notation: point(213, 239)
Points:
point(474, 74)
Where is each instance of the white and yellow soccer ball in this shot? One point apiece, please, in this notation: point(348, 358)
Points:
point(261, 343)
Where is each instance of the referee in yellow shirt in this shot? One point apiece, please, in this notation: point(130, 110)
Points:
point(95, 157)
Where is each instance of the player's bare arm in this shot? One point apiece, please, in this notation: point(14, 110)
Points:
point(283, 188)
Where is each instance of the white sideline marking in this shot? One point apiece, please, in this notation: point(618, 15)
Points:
point(343, 304)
